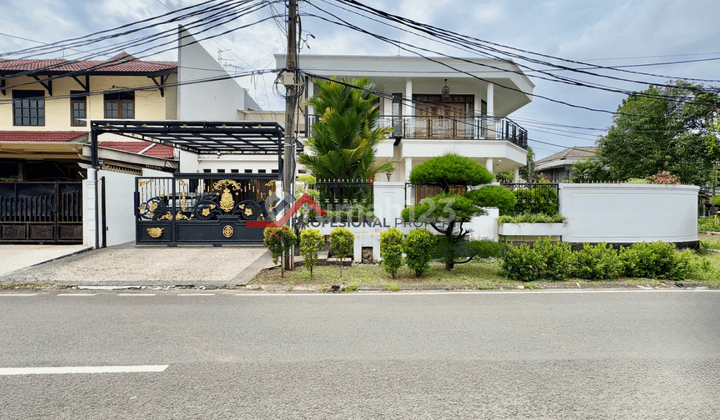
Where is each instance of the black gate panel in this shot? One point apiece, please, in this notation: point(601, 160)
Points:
point(41, 212)
point(194, 209)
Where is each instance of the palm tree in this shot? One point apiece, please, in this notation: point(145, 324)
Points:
point(344, 139)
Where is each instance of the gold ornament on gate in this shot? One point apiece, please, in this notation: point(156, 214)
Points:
point(227, 231)
point(155, 232)
point(226, 201)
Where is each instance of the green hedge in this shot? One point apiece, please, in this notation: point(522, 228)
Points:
point(547, 260)
point(493, 196)
point(541, 199)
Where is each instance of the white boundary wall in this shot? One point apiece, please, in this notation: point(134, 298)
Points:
point(119, 202)
point(626, 213)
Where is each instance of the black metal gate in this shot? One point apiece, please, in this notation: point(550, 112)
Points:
point(201, 208)
point(41, 212)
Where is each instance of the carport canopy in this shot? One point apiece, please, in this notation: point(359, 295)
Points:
point(201, 137)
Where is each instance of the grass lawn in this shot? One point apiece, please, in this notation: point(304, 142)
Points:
point(478, 274)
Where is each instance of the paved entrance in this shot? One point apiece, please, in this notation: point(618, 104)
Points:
point(129, 264)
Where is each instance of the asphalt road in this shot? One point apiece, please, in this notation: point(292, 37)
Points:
point(220, 355)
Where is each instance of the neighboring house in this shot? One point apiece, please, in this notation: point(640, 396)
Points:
point(437, 107)
point(557, 167)
point(45, 106)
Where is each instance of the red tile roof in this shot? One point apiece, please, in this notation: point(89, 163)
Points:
point(40, 136)
point(157, 150)
point(121, 63)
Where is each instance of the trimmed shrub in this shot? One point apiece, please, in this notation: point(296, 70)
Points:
point(599, 262)
point(450, 169)
point(531, 218)
point(545, 260)
point(486, 248)
point(418, 246)
point(493, 196)
point(663, 177)
point(656, 260)
point(341, 244)
point(279, 240)
point(311, 241)
point(391, 248)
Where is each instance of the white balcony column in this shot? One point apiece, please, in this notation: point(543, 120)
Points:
point(410, 196)
point(489, 163)
point(490, 99)
point(310, 93)
point(516, 175)
point(477, 131)
point(407, 104)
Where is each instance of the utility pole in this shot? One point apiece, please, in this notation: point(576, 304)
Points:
point(290, 82)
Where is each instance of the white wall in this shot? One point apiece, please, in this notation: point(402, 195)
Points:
point(626, 213)
point(208, 101)
point(119, 202)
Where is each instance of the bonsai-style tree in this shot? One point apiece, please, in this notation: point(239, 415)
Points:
point(279, 240)
point(311, 241)
point(446, 212)
point(391, 249)
point(341, 244)
point(493, 196)
point(450, 170)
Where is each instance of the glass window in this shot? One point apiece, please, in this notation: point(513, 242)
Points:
point(28, 107)
point(78, 109)
point(120, 105)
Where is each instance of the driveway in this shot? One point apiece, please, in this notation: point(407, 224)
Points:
point(129, 264)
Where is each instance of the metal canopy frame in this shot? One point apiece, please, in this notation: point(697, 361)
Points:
point(201, 137)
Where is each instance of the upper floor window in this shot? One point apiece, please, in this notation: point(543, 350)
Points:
point(78, 108)
point(120, 105)
point(28, 107)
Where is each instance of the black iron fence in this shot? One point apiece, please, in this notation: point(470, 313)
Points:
point(479, 127)
point(334, 194)
point(531, 185)
point(416, 193)
point(48, 212)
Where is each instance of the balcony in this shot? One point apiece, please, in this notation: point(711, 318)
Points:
point(477, 128)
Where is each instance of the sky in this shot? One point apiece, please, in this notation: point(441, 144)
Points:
point(607, 33)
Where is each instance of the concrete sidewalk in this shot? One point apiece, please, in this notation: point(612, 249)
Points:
point(17, 257)
point(129, 264)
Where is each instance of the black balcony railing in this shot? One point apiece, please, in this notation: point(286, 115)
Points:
point(475, 128)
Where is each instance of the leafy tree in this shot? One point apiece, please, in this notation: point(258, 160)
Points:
point(279, 240)
point(418, 246)
point(593, 167)
point(446, 213)
point(505, 177)
point(391, 249)
point(448, 170)
point(343, 140)
point(663, 129)
point(311, 241)
point(527, 172)
point(341, 244)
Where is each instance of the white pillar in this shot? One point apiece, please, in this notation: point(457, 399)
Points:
point(310, 93)
point(491, 110)
point(516, 176)
point(489, 163)
point(410, 197)
point(408, 110)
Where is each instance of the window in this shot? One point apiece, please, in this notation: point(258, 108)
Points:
point(28, 107)
point(261, 171)
point(274, 171)
point(221, 171)
point(78, 106)
point(234, 171)
point(120, 105)
point(248, 171)
point(207, 171)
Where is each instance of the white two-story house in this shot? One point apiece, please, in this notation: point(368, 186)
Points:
point(437, 107)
